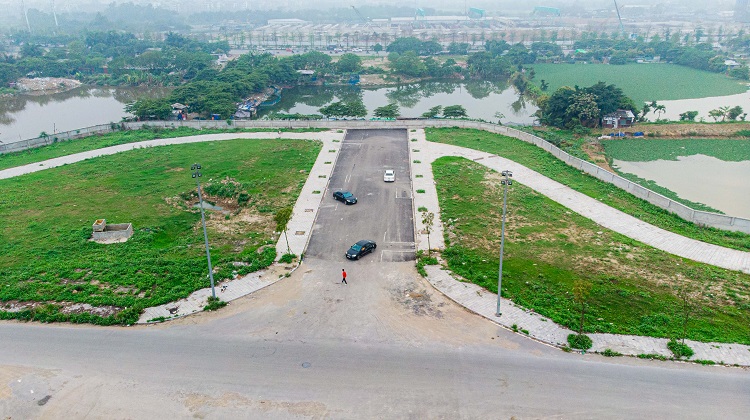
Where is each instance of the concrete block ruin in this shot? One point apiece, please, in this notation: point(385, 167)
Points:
point(107, 234)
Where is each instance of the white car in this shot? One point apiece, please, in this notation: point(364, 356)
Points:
point(390, 176)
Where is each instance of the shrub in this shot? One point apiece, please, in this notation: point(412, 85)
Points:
point(611, 353)
point(580, 341)
point(421, 209)
point(652, 356)
point(214, 303)
point(287, 258)
point(679, 349)
point(420, 191)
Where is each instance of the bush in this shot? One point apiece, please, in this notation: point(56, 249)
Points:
point(679, 349)
point(214, 303)
point(611, 353)
point(652, 356)
point(287, 258)
point(580, 341)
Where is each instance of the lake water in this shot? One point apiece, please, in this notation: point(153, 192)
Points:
point(481, 99)
point(702, 105)
point(25, 116)
point(703, 179)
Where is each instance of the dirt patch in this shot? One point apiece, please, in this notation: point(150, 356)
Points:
point(45, 85)
point(686, 130)
point(64, 307)
point(595, 152)
point(418, 302)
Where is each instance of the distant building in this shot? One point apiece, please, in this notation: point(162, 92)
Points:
point(619, 119)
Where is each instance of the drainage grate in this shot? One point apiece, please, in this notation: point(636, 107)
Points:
point(299, 232)
point(309, 210)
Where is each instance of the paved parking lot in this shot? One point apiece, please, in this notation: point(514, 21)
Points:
point(384, 211)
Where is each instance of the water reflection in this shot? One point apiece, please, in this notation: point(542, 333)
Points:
point(700, 178)
point(26, 116)
point(482, 99)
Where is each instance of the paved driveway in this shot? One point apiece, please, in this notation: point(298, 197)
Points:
point(384, 211)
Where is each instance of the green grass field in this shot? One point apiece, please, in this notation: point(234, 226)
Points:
point(641, 82)
point(539, 160)
point(647, 150)
point(64, 148)
point(45, 254)
point(634, 288)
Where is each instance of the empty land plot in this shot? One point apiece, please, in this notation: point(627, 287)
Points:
point(48, 264)
point(635, 289)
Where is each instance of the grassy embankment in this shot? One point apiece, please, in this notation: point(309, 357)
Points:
point(46, 257)
point(647, 150)
point(98, 141)
point(546, 164)
point(635, 289)
point(641, 82)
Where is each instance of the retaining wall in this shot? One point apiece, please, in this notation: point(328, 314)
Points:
point(715, 220)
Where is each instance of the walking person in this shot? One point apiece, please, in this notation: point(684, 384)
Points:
point(343, 276)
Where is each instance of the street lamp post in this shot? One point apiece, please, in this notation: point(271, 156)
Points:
point(505, 182)
point(197, 174)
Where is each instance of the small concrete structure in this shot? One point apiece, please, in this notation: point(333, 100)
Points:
point(104, 233)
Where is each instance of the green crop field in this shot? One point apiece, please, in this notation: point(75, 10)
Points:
point(543, 162)
point(646, 150)
point(46, 256)
point(634, 289)
point(642, 82)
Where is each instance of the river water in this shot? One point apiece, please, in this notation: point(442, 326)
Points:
point(26, 116)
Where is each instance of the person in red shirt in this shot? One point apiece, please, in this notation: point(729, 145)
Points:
point(343, 276)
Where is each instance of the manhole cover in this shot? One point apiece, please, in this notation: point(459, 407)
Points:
point(306, 365)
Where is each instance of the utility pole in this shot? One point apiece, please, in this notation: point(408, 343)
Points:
point(197, 174)
point(505, 182)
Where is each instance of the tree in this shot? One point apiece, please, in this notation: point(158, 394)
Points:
point(150, 109)
point(433, 112)
point(282, 217)
point(734, 112)
point(688, 116)
point(428, 220)
point(377, 48)
point(387, 111)
point(349, 63)
point(585, 109)
point(408, 64)
point(716, 114)
point(458, 48)
point(454, 111)
point(659, 109)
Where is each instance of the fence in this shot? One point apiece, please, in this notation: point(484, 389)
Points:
point(703, 218)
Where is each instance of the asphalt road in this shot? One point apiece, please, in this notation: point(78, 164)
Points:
point(384, 346)
point(383, 212)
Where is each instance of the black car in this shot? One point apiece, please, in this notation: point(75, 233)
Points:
point(345, 196)
point(360, 249)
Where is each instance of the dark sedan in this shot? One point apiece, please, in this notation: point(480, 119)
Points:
point(345, 196)
point(361, 249)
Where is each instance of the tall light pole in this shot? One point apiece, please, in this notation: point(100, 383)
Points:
point(196, 168)
point(505, 182)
